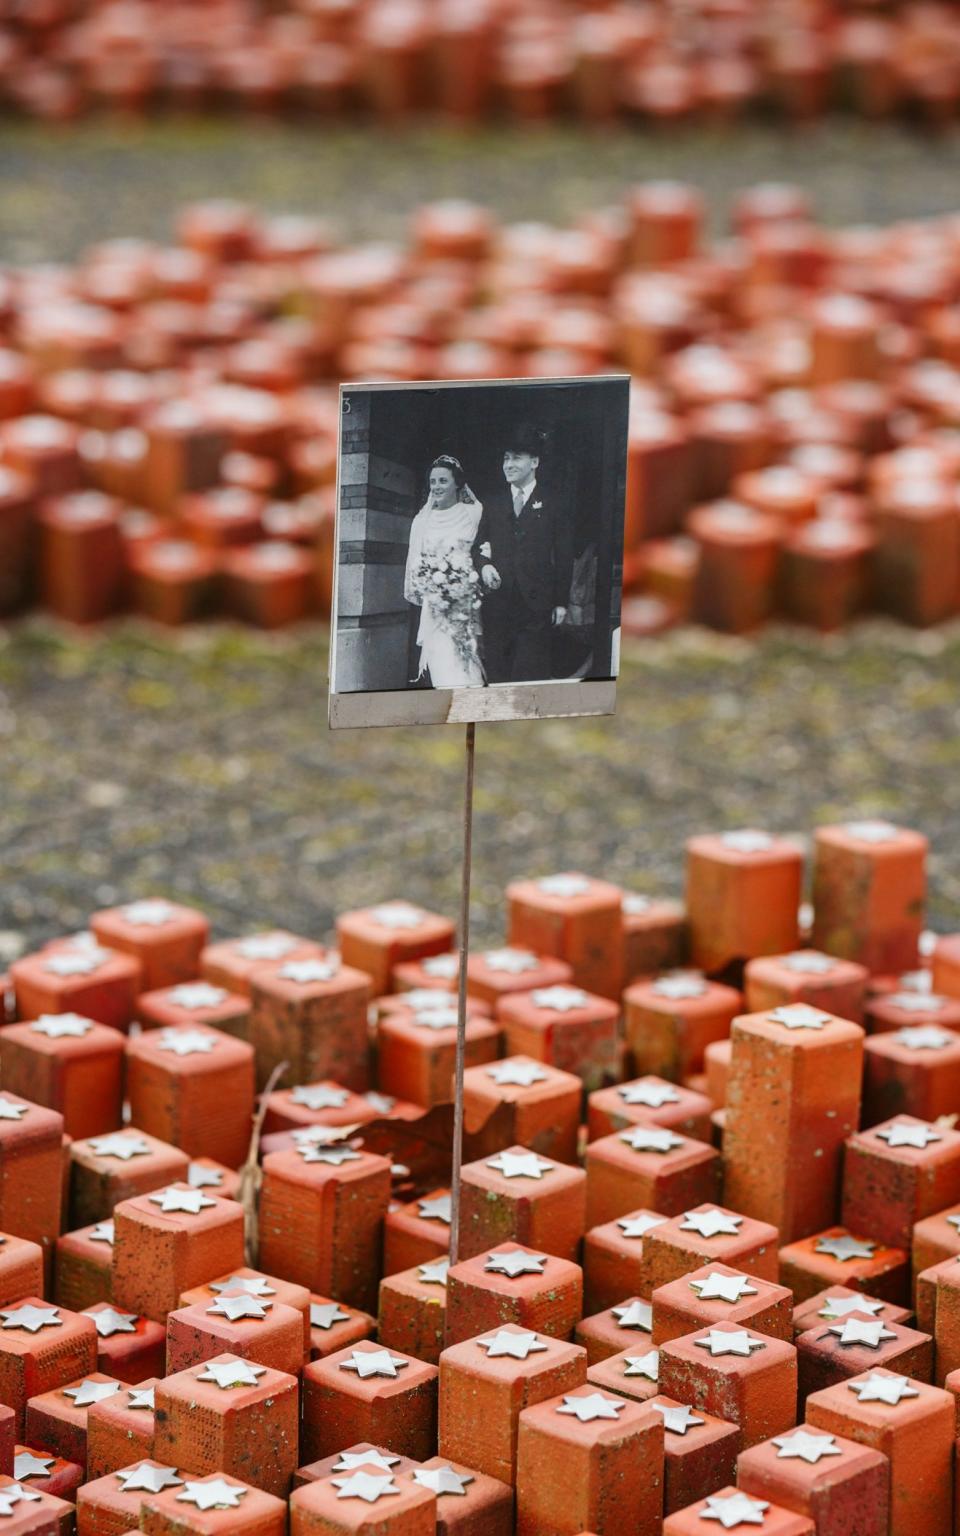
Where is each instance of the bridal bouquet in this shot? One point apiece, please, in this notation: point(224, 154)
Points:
point(449, 584)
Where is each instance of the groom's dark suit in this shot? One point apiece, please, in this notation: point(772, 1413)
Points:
point(533, 553)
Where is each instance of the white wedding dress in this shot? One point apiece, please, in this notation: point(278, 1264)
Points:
point(437, 531)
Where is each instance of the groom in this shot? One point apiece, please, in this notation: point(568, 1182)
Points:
point(524, 556)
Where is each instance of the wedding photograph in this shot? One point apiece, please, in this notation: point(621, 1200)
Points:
point(479, 550)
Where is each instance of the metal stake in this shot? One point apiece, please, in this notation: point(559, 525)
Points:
point(462, 995)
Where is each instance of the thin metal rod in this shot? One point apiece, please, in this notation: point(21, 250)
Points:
point(462, 995)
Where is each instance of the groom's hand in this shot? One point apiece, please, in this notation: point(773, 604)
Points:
point(559, 614)
point(490, 577)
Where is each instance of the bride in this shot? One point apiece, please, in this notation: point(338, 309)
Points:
point(441, 579)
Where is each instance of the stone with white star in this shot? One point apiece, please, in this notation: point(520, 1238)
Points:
point(383, 1103)
point(717, 1287)
point(141, 1397)
point(871, 831)
point(918, 1136)
point(422, 997)
point(119, 1145)
point(217, 1494)
point(519, 1345)
point(434, 1272)
point(564, 886)
point(110, 1321)
point(307, 972)
point(26, 1464)
point(799, 1016)
point(520, 1165)
point(436, 1208)
point(517, 1262)
point(747, 841)
point(512, 962)
point(640, 1225)
point(841, 1306)
point(148, 1479)
point(62, 1026)
point(712, 1223)
point(634, 1314)
point(677, 1419)
point(858, 1330)
point(436, 1017)
point(30, 1317)
point(363, 1485)
point(193, 995)
point(925, 1037)
point(9, 1110)
point(200, 1177)
point(808, 962)
point(15, 1493)
point(350, 1460)
point(916, 1002)
point(843, 1247)
point(231, 1373)
point(805, 1445)
point(680, 985)
point(334, 1157)
point(102, 1232)
point(649, 1093)
point(876, 1388)
point(396, 915)
point(635, 905)
point(148, 914)
point(444, 967)
point(265, 946)
point(595, 1405)
point(319, 1135)
point(733, 1509)
point(87, 1392)
point(238, 1307)
point(559, 999)
point(647, 1366)
point(189, 1201)
point(373, 1362)
point(442, 1480)
point(185, 1042)
point(246, 1285)
point(319, 1096)
point(730, 1341)
point(651, 1138)
point(323, 1314)
point(75, 962)
point(517, 1074)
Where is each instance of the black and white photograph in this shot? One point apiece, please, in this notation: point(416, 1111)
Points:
point(479, 550)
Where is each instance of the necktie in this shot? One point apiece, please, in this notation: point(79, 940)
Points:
point(517, 498)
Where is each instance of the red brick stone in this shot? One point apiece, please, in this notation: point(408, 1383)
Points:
point(8, 1437)
point(205, 1425)
point(416, 1054)
point(327, 1508)
point(623, 1328)
point(758, 1390)
point(254, 1282)
point(806, 1267)
point(742, 898)
point(935, 1239)
point(915, 1071)
point(193, 1087)
point(709, 1233)
point(545, 1209)
point(482, 1393)
point(230, 964)
point(375, 1457)
point(36, 1359)
point(56, 1420)
point(99, 984)
point(539, 1110)
point(158, 1254)
point(845, 1489)
point(38, 1514)
point(375, 939)
point(308, 1104)
point(334, 1325)
point(567, 1028)
point(806, 976)
point(83, 1263)
point(195, 1005)
point(412, 1312)
point(832, 1352)
point(495, 974)
point(572, 918)
point(545, 1293)
point(78, 1074)
point(21, 1269)
point(648, 1166)
point(63, 1478)
point(104, 1172)
point(105, 1509)
point(120, 1429)
point(835, 1302)
point(669, 1022)
point(131, 1349)
point(687, 1304)
point(483, 1508)
point(699, 1452)
point(166, 938)
point(776, 1520)
point(654, 936)
point(271, 1335)
point(398, 1410)
point(887, 1187)
point(613, 1258)
point(648, 1101)
point(893, 1008)
point(254, 1514)
point(318, 1026)
point(868, 894)
point(31, 1184)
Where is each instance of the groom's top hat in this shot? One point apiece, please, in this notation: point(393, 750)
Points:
point(524, 437)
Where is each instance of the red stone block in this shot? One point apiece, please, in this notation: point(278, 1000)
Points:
point(334, 1325)
point(169, 1240)
point(310, 1104)
point(16, 535)
point(58, 1418)
point(648, 1166)
point(743, 894)
point(69, 1064)
point(833, 1352)
point(184, 451)
point(239, 1510)
point(519, 1195)
point(99, 984)
point(44, 450)
point(613, 1259)
point(416, 1051)
point(34, 1513)
point(650, 1101)
point(230, 964)
point(910, 1423)
point(62, 1478)
point(321, 1218)
point(869, 888)
point(794, 1093)
point(81, 556)
point(486, 1382)
point(129, 1348)
point(575, 919)
point(839, 1257)
point(468, 1503)
point(107, 1505)
point(173, 581)
point(666, 218)
point(8, 1437)
point(730, 1507)
point(362, 1454)
point(613, 1452)
point(511, 1284)
point(945, 965)
point(21, 1269)
point(738, 550)
point(904, 1007)
point(31, 1183)
point(412, 1311)
point(373, 1393)
point(709, 1234)
point(841, 1485)
point(311, 1014)
point(716, 1062)
point(82, 1266)
point(193, 1087)
point(344, 1505)
point(253, 1282)
point(434, 973)
point(897, 1173)
point(194, 1005)
point(206, 1173)
point(538, 1105)
point(744, 1377)
point(231, 1416)
point(668, 1023)
point(270, 584)
point(836, 1302)
point(699, 1452)
point(218, 519)
point(494, 974)
point(621, 1328)
point(806, 976)
point(375, 939)
point(825, 573)
point(41, 1347)
point(565, 1027)
point(716, 1293)
point(936, 1239)
point(915, 1071)
point(250, 1327)
point(416, 1233)
point(120, 1429)
point(108, 1169)
point(165, 937)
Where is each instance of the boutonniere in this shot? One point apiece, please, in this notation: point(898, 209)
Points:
point(485, 549)
point(537, 506)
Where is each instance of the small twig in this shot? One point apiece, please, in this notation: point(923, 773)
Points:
point(249, 1188)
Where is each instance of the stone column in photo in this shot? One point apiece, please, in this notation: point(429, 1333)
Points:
point(377, 505)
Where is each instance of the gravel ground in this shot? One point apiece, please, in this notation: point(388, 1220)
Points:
point(202, 769)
